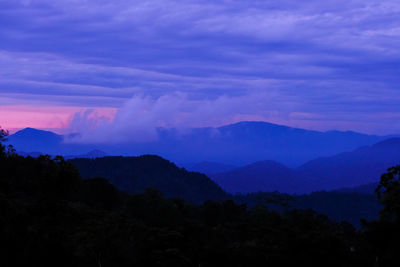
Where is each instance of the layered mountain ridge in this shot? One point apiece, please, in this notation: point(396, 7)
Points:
point(235, 144)
point(345, 170)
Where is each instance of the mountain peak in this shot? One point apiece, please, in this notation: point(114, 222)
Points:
point(31, 139)
point(32, 131)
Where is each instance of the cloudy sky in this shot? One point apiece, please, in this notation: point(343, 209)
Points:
point(316, 64)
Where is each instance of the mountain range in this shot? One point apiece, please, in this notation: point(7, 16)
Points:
point(235, 144)
point(137, 174)
point(344, 170)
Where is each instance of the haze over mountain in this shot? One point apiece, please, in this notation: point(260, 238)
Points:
point(236, 144)
point(345, 170)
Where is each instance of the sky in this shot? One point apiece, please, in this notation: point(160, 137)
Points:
point(73, 65)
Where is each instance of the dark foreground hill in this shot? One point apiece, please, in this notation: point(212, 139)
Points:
point(344, 170)
point(136, 174)
point(338, 206)
point(50, 216)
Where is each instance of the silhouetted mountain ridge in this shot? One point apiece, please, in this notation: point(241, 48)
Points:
point(344, 170)
point(235, 144)
point(351, 169)
point(136, 174)
point(266, 176)
point(32, 140)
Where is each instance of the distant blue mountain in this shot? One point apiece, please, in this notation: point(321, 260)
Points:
point(351, 169)
point(236, 144)
point(34, 142)
point(30, 140)
point(357, 171)
point(262, 176)
point(246, 142)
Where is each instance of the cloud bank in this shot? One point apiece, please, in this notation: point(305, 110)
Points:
point(138, 119)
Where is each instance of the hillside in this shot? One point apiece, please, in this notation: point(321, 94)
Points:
point(344, 170)
point(263, 176)
point(136, 174)
point(208, 167)
point(351, 169)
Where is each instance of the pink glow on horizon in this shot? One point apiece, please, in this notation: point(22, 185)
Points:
point(56, 118)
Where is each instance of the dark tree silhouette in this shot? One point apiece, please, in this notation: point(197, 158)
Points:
point(3, 138)
point(388, 192)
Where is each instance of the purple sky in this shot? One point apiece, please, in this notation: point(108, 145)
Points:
point(316, 64)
